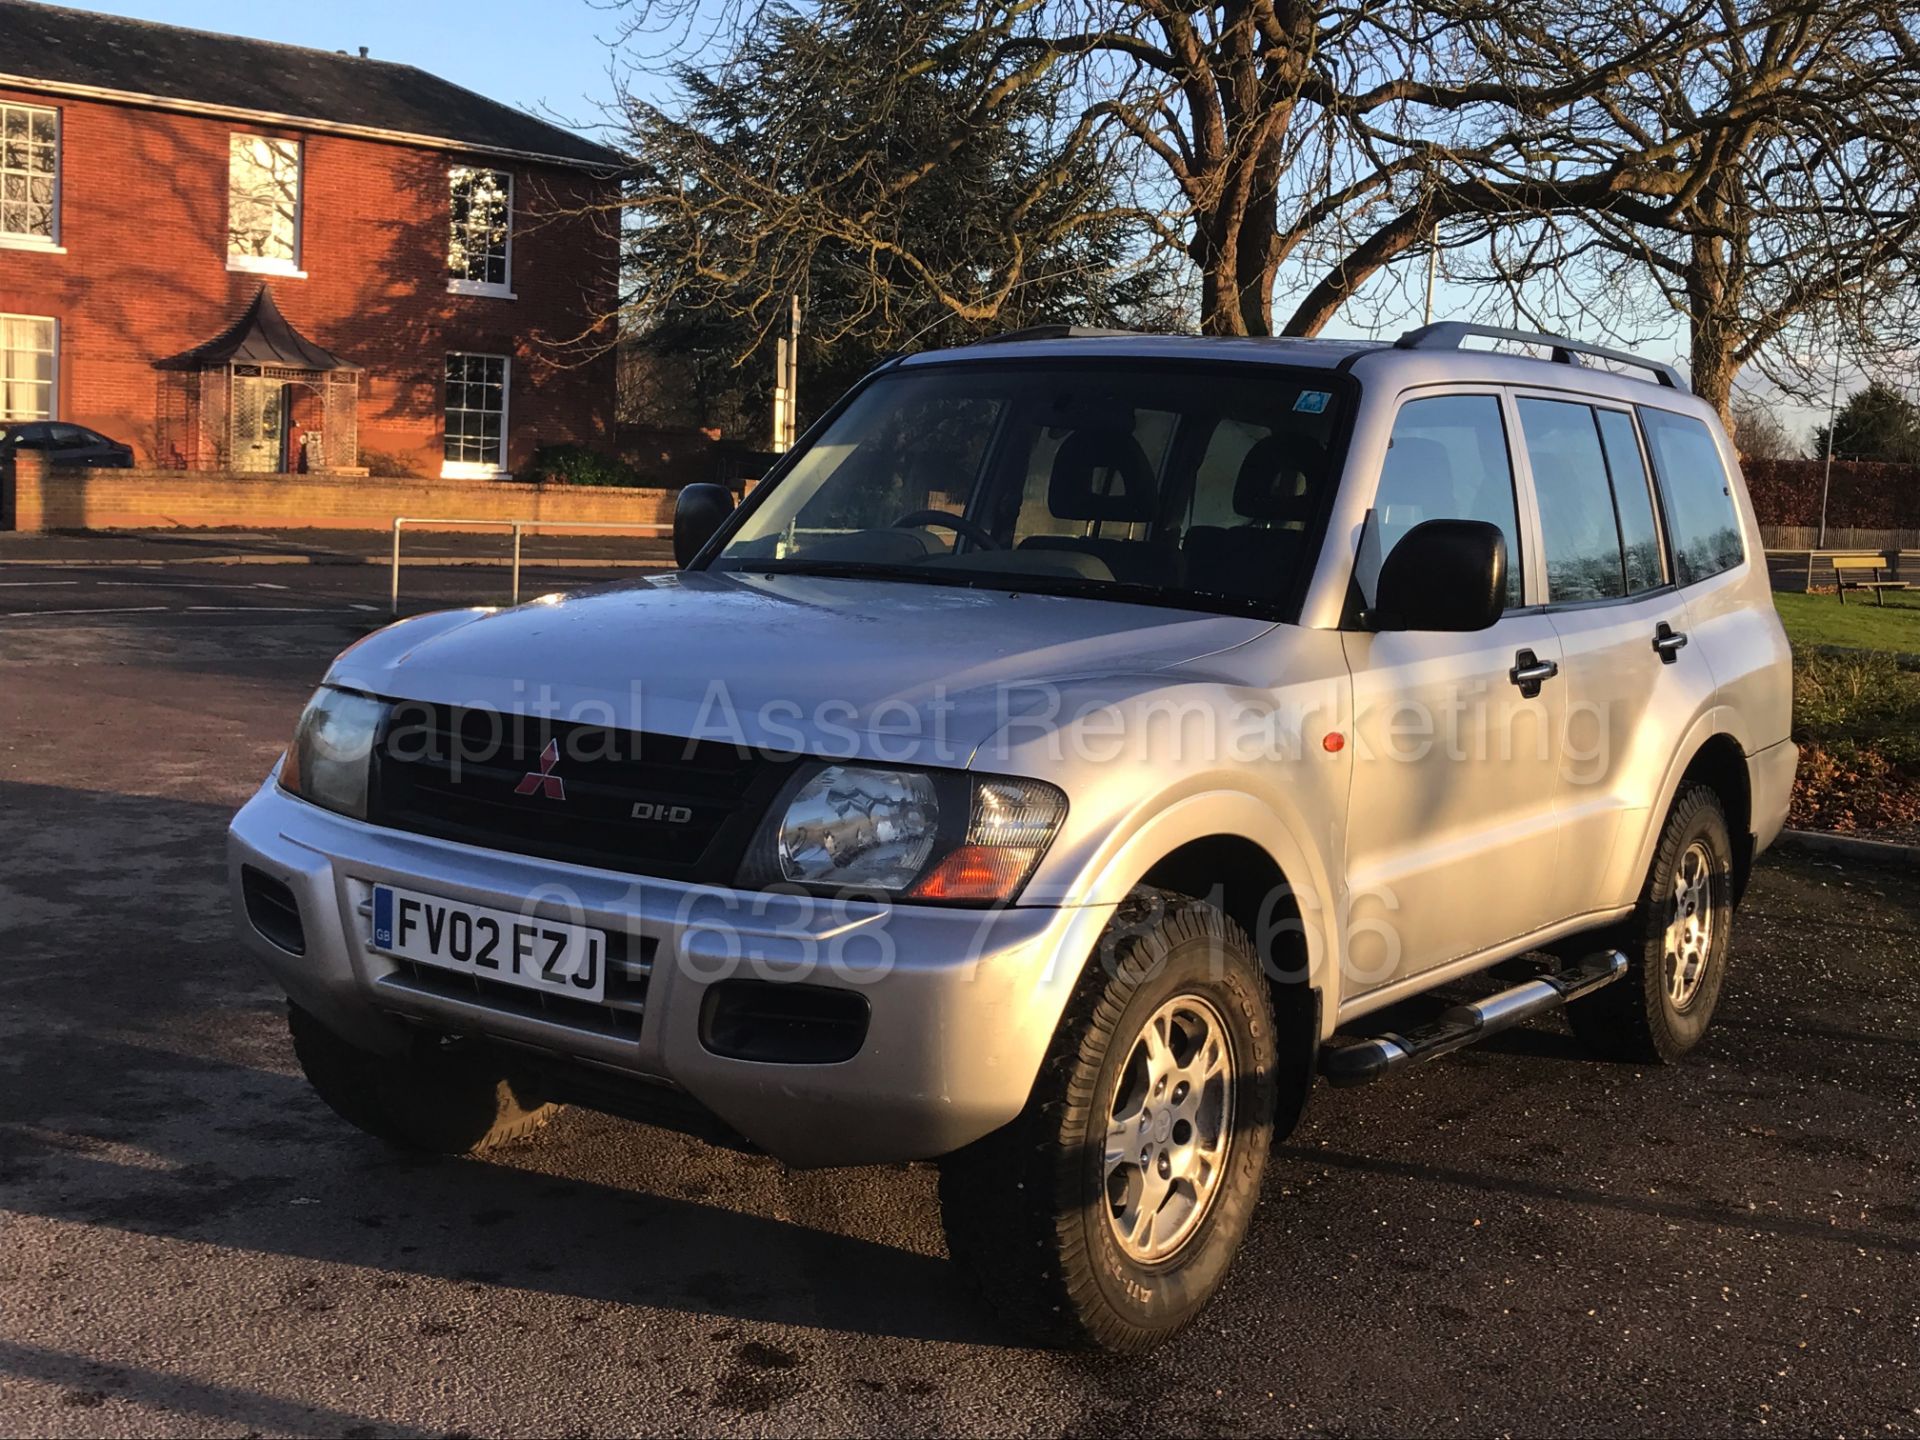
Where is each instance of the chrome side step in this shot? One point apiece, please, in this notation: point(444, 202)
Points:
point(1358, 1061)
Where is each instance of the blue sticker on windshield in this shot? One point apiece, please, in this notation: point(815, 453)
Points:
point(1312, 402)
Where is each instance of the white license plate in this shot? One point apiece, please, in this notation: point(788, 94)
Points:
point(535, 954)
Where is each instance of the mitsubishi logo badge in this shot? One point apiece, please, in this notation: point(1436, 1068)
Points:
point(544, 780)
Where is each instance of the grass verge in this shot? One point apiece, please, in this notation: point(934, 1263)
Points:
point(1858, 625)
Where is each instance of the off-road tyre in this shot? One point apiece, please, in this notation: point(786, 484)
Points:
point(438, 1098)
point(1638, 1018)
point(1026, 1210)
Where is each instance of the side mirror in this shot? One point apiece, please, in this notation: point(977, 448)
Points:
point(1443, 575)
point(697, 516)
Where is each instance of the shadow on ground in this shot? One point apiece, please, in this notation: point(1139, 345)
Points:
point(145, 1085)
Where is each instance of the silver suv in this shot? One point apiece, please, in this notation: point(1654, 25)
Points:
point(1056, 764)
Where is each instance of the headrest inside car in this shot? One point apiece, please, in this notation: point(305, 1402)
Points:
point(1101, 475)
point(1276, 479)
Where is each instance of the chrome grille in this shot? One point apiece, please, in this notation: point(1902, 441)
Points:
point(624, 800)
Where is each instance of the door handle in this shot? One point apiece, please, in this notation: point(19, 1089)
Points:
point(1529, 671)
point(1668, 642)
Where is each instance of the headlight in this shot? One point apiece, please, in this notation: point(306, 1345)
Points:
point(850, 826)
point(327, 762)
point(942, 836)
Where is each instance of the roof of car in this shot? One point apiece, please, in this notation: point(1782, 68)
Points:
point(1433, 354)
point(84, 51)
point(1054, 342)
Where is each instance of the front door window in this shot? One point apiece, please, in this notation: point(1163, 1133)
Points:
point(1447, 460)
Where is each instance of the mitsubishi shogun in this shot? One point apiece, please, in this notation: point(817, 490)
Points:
point(1064, 756)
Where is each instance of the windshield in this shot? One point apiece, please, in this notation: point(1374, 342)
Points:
point(1184, 486)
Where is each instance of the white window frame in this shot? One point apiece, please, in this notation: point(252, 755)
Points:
point(44, 244)
point(53, 389)
point(459, 285)
point(269, 264)
point(477, 469)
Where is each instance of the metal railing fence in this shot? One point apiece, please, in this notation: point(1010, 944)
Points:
point(518, 527)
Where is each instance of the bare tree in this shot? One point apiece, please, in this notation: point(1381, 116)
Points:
point(1746, 164)
point(1758, 431)
point(1765, 190)
point(1253, 133)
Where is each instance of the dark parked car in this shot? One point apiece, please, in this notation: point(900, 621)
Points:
point(64, 444)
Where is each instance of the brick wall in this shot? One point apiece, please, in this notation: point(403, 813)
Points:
point(143, 198)
point(67, 498)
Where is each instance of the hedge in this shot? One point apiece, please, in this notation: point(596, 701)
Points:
point(570, 464)
point(1866, 494)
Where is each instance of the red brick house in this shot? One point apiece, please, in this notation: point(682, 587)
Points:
point(232, 254)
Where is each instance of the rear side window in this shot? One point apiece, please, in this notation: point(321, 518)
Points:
point(1581, 537)
point(1448, 461)
point(1632, 501)
point(1702, 524)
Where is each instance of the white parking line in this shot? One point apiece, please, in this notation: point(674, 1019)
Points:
point(173, 585)
point(261, 610)
point(121, 610)
point(34, 584)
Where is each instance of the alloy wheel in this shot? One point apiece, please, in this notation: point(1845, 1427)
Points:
point(1688, 944)
point(1169, 1129)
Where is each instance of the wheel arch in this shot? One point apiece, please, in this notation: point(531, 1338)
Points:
point(1713, 756)
point(1254, 850)
point(1720, 764)
point(1249, 886)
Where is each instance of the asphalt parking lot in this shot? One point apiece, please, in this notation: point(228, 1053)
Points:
point(1513, 1240)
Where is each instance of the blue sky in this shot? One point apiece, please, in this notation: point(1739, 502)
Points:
point(532, 53)
point(546, 55)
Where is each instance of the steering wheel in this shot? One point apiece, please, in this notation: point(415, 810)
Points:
point(959, 524)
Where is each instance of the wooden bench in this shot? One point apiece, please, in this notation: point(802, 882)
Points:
point(1846, 565)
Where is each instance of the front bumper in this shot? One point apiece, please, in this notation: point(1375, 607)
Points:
point(963, 1002)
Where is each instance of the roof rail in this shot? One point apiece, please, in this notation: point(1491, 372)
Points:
point(1448, 335)
point(1052, 332)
